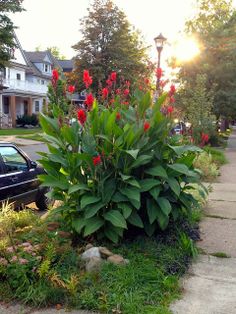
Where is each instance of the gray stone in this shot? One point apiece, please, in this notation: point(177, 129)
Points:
point(218, 235)
point(92, 252)
point(93, 264)
point(105, 252)
point(117, 259)
point(88, 246)
point(210, 288)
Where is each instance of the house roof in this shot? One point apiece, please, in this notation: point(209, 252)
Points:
point(66, 65)
point(36, 56)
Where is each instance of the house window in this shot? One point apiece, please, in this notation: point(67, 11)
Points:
point(42, 82)
point(18, 76)
point(36, 106)
point(47, 68)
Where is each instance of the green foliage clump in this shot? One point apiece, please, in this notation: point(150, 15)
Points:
point(27, 119)
point(218, 156)
point(115, 170)
point(209, 170)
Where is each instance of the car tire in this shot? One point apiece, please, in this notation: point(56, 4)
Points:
point(43, 202)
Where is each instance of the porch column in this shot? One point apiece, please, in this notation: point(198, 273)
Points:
point(1, 105)
point(13, 109)
point(30, 106)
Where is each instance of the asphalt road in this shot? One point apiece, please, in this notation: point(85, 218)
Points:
point(32, 150)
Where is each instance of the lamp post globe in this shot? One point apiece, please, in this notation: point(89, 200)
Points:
point(159, 42)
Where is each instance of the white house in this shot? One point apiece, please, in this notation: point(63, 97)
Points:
point(24, 84)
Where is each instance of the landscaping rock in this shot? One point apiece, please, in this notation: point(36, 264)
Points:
point(93, 264)
point(88, 246)
point(117, 260)
point(93, 252)
point(105, 252)
point(64, 234)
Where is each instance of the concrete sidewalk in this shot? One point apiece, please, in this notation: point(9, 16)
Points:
point(18, 141)
point(210, 286)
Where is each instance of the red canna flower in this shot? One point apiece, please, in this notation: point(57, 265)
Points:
point(81, 116)
point(159, 73)
point(170, 109)
point(105, 92)
point(172, 90)
point(71, 89)
point(172, 99)
point(147, 81)
point(118, 91)
point(126, 103)
point(146, 126)
point(205, 137)
point(113, 76)
point(87, 79)
point(126, 92)
point(109, 83)
point(118, 116)
point(89, 100)
point(97, 160)
point(127, 83)
point(55, 75)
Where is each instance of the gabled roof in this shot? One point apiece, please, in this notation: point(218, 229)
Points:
point(66, 65)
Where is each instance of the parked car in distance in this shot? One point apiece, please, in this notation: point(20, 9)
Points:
point(179, 128)
point(18, 178)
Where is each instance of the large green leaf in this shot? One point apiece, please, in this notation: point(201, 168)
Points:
point(133, 195)
point(133, 152)
point(155, 192)
point(141, 160)
point(174, 185)
point(152, 210)
point(116, 218)
point(164, 205)
point(150, 228)
point(92, 225)
point(118, 197)
point(148, 184)
point(179, 150)
point(78, 224)
point(126, 209)
point(163, 220)
point(133, 182)
point(158, 171)
point(109, 189)
point(91, 210)
point(57, 158)
point(88, 199)
point(181, 168)
point(78, 187)
point(53, 182)
point(134, 219)
point(111, 234)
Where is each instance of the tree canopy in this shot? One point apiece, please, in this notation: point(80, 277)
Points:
point(214, 26)
point(109, 43)
point(7, 42)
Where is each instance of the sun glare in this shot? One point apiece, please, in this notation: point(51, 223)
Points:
point(186, 49)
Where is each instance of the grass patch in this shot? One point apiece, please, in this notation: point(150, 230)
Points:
point(40, 268)
point(35, 137)
point(19, 131)
point(220, 255)
point(218, 156)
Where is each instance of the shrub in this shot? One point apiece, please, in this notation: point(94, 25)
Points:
point(209, 170)
point(26, 119)
point(218, 156)
point(114, 167)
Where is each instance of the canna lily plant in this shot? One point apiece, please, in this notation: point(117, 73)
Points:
point(116, 165)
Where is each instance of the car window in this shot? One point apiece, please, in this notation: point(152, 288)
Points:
point(13, 160)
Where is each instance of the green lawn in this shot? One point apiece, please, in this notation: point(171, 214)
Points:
point(19, 131)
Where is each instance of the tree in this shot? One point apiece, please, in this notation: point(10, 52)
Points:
point(7, 42)
point(109, 44)
point(214, 26)
point(55, 51)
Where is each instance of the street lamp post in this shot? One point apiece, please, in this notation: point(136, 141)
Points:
point(159, 42)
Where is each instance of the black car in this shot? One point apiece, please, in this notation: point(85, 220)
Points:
point(18, 178)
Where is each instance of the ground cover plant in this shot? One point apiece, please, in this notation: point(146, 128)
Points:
point(39, 267)
point(18, 131)
point(113, 168)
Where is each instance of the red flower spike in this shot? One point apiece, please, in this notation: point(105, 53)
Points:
point(113, 76)
point(159, 73)
point(97, 160)
point(172, 99)
point(126, 103)
point(147, 81)
point(55, 75)
point(87, 79)
point(109, 83)
point(105, 92)
point(146, 126)
point(127, 83)
point(118, 116)
point(170, 109)
point(126, 92)
point(89, 100)
point(172, 90)
point(81, 116)
point(71, 89)
point(118, 91)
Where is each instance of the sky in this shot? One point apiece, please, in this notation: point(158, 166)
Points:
point(47, 23)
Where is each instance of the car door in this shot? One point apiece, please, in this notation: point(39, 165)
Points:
point(18, 182)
